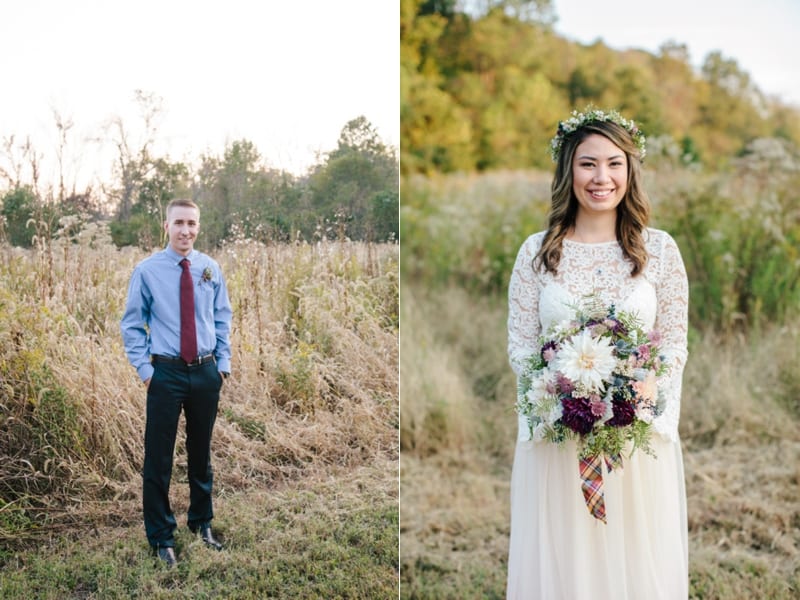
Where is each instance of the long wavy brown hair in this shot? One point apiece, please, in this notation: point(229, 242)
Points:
point(633, 212)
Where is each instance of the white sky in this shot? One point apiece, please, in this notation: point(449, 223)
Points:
point(288, 75)
point(761, 36)
point(285, 75)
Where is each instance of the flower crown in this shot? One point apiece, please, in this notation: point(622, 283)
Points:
point(578, 120)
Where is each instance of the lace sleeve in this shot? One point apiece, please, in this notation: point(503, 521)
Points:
point(523, 305)
point(672, 291)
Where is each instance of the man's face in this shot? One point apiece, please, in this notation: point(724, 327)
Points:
point(182, 226)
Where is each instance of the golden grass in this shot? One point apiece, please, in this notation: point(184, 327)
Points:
point(313, 392)
point(739, 430)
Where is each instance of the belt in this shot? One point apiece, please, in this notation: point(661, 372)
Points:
point(175, 360)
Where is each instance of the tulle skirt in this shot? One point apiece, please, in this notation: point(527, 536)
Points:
point(559, 551)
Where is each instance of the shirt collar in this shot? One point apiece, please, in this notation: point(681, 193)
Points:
point(176, 258)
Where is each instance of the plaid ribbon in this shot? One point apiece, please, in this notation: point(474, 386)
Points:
point(591, 469)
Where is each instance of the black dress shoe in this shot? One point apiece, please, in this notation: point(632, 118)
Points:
point(166, 554)
point(208, 537)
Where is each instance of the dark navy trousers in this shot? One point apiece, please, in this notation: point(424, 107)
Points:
point(195, 390)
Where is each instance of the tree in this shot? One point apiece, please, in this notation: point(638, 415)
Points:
point(446, 8)
point(20, 157)
point(676, 91)
point(638, 98)
point(519, 122)
point(19, 209)
point(728, 118)
point(357, 185)
point(143, 227)
point(437, 132)
point(360, 136)
point(133, 164)
point(229, 189)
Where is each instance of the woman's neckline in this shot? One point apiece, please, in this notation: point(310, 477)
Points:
point(577, 243)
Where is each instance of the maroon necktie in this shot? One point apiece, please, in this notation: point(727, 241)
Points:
point(188, 331)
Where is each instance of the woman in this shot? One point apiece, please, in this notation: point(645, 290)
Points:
point(598, 243)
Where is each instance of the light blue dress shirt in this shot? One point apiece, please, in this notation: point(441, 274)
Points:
point(152, 321)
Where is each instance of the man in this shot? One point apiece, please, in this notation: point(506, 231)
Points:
point(176, 333)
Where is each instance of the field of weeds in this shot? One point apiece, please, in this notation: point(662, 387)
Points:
point(740, 421)
point(305, 448)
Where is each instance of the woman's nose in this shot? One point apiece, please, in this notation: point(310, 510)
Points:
point(600, 174)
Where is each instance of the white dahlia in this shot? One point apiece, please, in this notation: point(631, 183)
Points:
point(586, 360)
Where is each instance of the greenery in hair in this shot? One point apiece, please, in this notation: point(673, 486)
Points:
point(578, 120)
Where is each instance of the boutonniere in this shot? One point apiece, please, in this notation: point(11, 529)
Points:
point(207, 274)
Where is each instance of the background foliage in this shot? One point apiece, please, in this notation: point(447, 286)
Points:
point(352, 193)
point(485, 89)
point(482, 93)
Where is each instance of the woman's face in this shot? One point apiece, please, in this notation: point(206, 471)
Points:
point(599, 175)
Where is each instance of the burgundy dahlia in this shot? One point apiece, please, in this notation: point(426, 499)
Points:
point(578, 415)
point(623, 413)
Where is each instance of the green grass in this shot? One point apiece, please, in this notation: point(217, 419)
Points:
point(738, 233)
point(327, 539)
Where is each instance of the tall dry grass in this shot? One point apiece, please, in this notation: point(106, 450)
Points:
point(456, 433)
point(313, 391)
point(739, 429)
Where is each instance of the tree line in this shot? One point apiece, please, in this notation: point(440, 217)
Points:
point(352, 192)
point(484, 89)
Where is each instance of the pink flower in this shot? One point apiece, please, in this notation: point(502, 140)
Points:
point(549, 351)
point(654, 337)
point(647, 389)
point(564, 384)
point(597, 405)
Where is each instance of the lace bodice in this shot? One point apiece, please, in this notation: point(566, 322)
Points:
point(659, 296)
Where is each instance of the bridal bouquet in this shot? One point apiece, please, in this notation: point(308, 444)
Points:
point(594, 380)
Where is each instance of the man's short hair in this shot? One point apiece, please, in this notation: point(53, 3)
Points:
point(185, 202)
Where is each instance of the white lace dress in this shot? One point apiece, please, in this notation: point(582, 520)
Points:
point(557, 549)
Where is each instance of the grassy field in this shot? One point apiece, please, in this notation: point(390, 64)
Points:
point(305, 446)
point(322, 539)
point(740, 421)
point(740, 429)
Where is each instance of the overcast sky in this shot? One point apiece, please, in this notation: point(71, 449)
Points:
point(761, 36)
point(285, 75)
point(289, 75)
